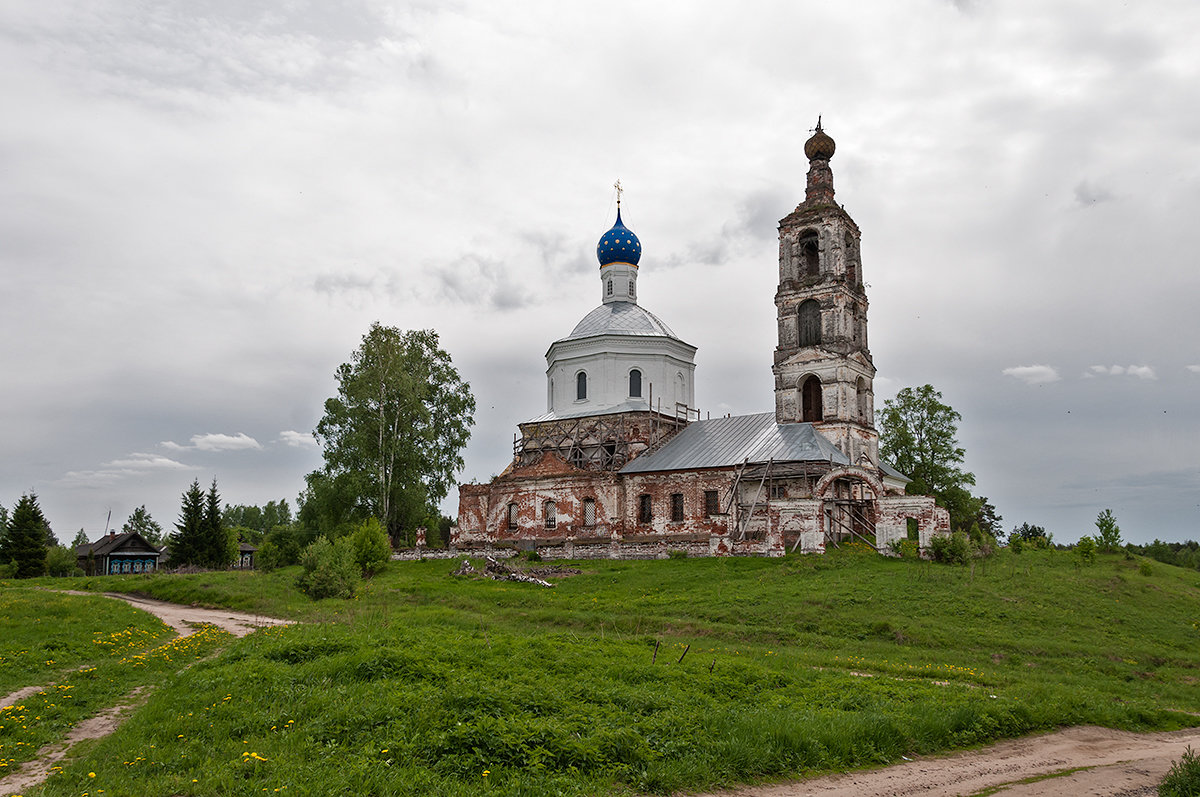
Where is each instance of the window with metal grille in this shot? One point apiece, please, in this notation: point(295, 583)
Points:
point(778, 491)
point(676, 506)
point(589, 511)
point(712, 503)
point(512, 516)
point(551, 512)
point(645, 509)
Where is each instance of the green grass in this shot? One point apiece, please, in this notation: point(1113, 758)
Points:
point(45, 634)
point(103, 650)
point(428, 684)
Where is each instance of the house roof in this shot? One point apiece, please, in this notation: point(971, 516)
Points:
point(110, 543)
point(725, 442)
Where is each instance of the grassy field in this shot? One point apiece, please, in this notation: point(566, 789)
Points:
point(429, 684)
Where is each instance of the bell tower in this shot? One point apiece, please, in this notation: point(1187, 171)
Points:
point(823, 369)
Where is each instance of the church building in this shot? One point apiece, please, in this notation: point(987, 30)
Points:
point(621, 465)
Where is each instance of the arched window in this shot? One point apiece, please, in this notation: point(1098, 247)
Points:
point(810, 257)
point(680, 390)
point(551, 401)
point(863, 409)
point(809, 323)
point(811, 406)
point(635, 383)
point(550, 510)
point(581, 386)
point(512, 516)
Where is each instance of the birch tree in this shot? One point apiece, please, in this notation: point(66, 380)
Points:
point(393, 436)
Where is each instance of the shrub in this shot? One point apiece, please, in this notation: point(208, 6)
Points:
point(677, 554)
point(1145, 568)
point(268, 557)
point(1085, 549)
point(330, 570)
point(8, 570)
point(60, 561)
point(1183, 779)
point(953, 550)
point(372, 549)
point(1015, 543)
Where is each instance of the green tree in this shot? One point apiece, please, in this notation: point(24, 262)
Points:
point(3, 524)
point(918, 435)
point(140, 522)
point(60, 561)
point(80, 539)
point(392, 438)
point(25, 540)
point(220, 543)
point(187, 544)
point(1108, 533)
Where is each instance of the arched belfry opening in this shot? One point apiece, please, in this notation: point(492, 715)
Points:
point(808, 320)
point(812, 408)
point(810, 254)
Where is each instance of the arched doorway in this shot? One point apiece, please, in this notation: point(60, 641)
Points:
point(848, 500)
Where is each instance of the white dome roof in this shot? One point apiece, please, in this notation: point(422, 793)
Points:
point(620, 318)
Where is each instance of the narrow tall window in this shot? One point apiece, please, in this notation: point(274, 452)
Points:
point(551, 512)
point(811, 406)
point(512, 516)
point(645, 513)
point(589, 512)
point(632, 289)
point(635, 383)
point(676, 507)
point(712, 503)
point(610, 287)
point(863, 411)
point(808, 320)
point(851, 261)
point(581, 386)
point(810, 257)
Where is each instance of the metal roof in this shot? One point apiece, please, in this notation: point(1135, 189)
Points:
point(620, 318)
point(724, 442)
point(629, 405)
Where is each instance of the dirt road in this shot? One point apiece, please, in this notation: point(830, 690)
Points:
point(182, 619)
point(1076, 762)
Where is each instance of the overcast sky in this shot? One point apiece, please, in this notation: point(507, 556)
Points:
point(205, 203)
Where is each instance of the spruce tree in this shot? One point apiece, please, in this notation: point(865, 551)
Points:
point(187, 544)
point(25, 540)
point(216, 546)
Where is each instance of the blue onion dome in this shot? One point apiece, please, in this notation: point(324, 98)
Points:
point(619, 245)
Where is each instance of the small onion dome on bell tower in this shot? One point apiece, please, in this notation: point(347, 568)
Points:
point(619, 245)
point(819, 150)
point(820, 146)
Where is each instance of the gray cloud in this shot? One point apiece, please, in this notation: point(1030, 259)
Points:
point(206, 204)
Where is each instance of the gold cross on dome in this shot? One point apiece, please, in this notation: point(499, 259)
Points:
point(617, 185)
